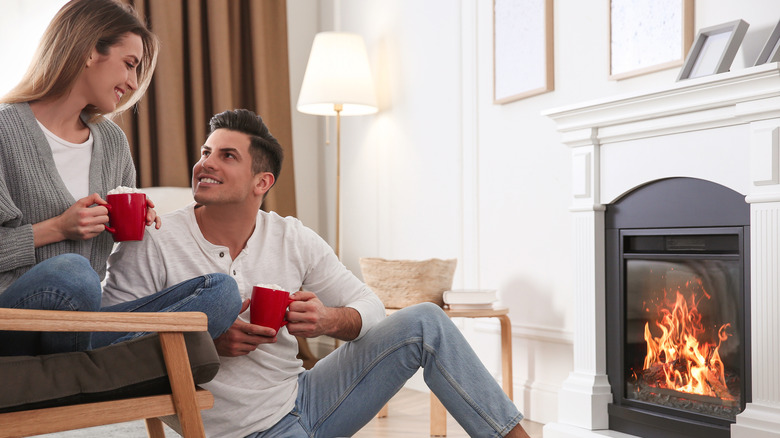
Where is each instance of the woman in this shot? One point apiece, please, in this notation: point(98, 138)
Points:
point(59, 156)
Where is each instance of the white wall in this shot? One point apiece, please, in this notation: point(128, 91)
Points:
point(22, 22)
point(441, 171)
point(310, 195)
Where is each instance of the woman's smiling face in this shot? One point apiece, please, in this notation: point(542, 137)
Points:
point(109, 77)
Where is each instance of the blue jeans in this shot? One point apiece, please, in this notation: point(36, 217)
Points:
point(65, 282)
point(347, 388)
point(216, 295)
point(68, 282)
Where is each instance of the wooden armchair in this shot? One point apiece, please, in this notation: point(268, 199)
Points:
point(165, 358)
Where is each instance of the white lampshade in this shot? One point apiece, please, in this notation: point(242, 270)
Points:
point(337, 73)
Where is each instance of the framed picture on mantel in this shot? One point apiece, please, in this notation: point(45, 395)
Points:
point(714, 50)
point(771, 51)
point(522, 49)
point(648, 36)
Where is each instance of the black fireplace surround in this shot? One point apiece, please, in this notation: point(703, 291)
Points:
point(698, 226)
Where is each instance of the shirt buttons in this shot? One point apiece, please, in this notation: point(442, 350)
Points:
point(222, 254)
point(234, 272)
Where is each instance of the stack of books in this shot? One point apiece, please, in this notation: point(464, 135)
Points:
point(470, 299)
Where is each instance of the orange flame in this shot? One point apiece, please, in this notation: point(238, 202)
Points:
point(687, 365)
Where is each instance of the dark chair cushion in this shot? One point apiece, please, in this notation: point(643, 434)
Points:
point(129, 369)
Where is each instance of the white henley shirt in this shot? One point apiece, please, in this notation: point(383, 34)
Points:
point(255, 391)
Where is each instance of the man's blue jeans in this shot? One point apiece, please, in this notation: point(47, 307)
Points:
point(68, 282)
point(347, 388)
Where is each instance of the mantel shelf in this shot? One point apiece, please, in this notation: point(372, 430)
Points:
point(707, 102)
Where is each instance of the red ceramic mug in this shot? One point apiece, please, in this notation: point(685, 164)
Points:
point(126, 216)
point(268, 307)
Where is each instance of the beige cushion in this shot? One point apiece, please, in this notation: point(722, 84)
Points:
point(128, 369)
point(167, 199)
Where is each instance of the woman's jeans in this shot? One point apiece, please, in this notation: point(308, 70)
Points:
point(68, 282)
point(347, 388)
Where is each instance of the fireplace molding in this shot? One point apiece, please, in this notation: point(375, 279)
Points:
point(723, 128)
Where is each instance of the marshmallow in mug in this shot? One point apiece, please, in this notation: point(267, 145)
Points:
point(269, 286)
point(122, 190)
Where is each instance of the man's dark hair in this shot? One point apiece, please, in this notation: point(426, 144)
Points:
point(267, 154)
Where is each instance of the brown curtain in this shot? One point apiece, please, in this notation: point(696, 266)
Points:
point(215, 55)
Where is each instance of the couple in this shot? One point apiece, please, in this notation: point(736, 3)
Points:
point(261, 389)
point(58, 154)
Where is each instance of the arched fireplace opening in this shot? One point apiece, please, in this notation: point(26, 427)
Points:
point(677, 305)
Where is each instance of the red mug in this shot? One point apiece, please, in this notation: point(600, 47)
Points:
point(268, 307)
point(126, 216)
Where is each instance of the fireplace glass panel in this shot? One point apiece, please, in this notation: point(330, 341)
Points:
point(682, 346)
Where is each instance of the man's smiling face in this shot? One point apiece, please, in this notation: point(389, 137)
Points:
point(224, 172)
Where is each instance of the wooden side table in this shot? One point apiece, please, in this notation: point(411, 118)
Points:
point(438, 412)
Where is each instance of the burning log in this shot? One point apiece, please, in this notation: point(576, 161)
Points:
point(655, 375)
point(677, 360)
point(658, 373)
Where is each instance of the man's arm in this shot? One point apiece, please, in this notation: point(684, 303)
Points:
point(309, 318)
point(343, 306)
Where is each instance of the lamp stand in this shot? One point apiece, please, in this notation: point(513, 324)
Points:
point(338, 107)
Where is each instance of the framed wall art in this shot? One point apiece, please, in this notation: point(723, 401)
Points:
point(648, 36)
point(771, 50)
point(522, 49)
point(713, 50)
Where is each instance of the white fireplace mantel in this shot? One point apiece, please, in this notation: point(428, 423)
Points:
point(723, 128)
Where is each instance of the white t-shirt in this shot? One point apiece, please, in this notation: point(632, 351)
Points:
point(252, 392)
point(72, 160)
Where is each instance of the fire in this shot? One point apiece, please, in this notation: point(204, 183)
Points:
point(678, 360)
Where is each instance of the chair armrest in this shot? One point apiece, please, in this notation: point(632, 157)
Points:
point(69, 321)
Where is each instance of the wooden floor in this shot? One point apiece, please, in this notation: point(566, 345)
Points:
point(409, 415)
point(408, 418)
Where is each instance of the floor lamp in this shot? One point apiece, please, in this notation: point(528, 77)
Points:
point(337, 83)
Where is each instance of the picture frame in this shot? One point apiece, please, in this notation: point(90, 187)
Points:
point(713, 50)
point(648, 36)
point(522, 49)
point(771, 50)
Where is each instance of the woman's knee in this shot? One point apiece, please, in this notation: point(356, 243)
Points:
point(67, 261)
point(72, 276)
point(67, 266)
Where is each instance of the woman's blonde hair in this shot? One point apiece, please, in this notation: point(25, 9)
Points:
point(79, 27)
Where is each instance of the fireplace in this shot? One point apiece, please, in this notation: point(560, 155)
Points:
point(676, 294)
point(722, 131)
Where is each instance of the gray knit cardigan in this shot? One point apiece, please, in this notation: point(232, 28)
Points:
point(31, 190)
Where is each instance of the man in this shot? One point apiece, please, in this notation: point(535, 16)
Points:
point(261, 388)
